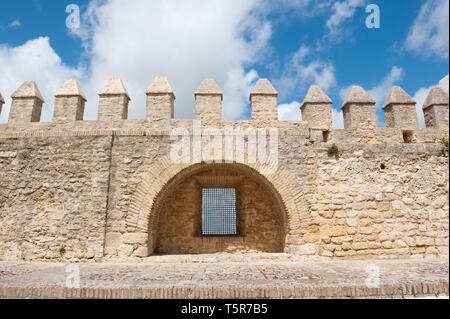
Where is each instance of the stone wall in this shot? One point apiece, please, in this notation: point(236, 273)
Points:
point(179, 227)
point(53, 194)
point(109, 189)
point(382, 200)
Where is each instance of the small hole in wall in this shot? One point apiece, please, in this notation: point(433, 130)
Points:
point(325, 135)
point(407, 136)
point(383, 166)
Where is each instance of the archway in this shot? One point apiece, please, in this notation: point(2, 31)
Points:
point(258, 221)
point(164, 177)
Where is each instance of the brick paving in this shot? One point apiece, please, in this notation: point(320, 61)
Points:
point(228, 276)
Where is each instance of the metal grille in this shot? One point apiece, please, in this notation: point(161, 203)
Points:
point(219, 211)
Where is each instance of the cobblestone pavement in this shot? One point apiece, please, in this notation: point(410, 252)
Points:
point(228, 276)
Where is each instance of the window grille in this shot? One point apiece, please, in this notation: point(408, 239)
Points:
point(219, 211)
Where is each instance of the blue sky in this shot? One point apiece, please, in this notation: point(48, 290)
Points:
point(294, 43)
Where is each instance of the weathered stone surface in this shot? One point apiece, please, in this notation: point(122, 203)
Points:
point(70, 88)
point(208, 87)
point(316, 95)
point(208, 99)
point(400, 110)
point(436, 109)
point(227, 276)
point(263, 99)
point(360, 246)
point(398, 96)
point(28, 90)
point(135, 238)
point(160, 100)
point(109, 188)
point(305, 250)
point(316, 109)
point(358, 95)
point(69, 103)
point(159, 85)
point(60, 199)
point(179, 229)
point(437, 96)
point(26, 106)
point(114, 86)
point(263, 87)
point(359, 110)
point(113, 104)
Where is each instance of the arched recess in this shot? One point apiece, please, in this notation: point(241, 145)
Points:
point(163, 177)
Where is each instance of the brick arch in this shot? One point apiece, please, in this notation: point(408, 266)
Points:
point(164, 175)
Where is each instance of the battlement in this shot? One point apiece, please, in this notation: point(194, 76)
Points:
point(128, 188)
point(358, 110)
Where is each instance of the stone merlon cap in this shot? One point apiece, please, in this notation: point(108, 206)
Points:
point(160, 85)
point(114, 87)
point(208, 87)
point(2, 101)
point(398, 96)
point(28, 90)
point(437, 96)
point(70, 88)
point(315, 95)
point(358, 95)
point(263, 87)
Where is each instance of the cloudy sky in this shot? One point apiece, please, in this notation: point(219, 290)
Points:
point(294, 43)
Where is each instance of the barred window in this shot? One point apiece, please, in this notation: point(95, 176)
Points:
point(219, 211)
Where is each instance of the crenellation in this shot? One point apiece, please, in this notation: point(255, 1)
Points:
point(113, 105)
point(69, 103)
point(359, 110)
point(316, 109)
point(263, 99)
point(400, 110)
point(109, 188)
point(208, 101)
point(435, 109)
point(26, 105)
point(160, 100)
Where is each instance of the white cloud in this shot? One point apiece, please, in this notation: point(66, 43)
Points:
point(381, 91)
point(186, 41)
point(342, 11)
point(344, 92)
point(300, 72)
point(15, 23)
point(290, 112)
point(303, 8)
point(320, 73)
point(421, 95)
point(430, 31)
point(33, 61)
point(444, 84)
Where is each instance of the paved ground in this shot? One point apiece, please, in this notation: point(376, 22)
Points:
point(228, 276)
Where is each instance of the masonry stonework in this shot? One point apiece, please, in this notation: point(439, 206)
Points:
point(179, 227)
point(109, 189)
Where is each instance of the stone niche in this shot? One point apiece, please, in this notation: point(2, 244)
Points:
point(259, 224)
